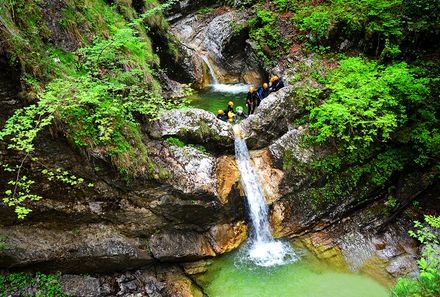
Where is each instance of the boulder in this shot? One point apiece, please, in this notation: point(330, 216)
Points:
point(193, 126)
point(271, 120)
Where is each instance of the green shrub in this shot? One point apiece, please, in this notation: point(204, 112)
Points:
point(382, 24)
point(266, 34)
point(20, 284)
point(175, 141)
point(427, 283)
point(377, 121)
point(97, 96)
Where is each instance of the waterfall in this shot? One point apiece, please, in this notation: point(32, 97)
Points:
point(264, 250)
point(224, 88)
point(211, 70)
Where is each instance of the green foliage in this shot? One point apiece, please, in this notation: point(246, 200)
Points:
point(97, 97)
point(266, 34)
point(3, 244)
point(428, 282)
point(375, 121)
point(383, 24)
point(21, 284)
point(205, 10)
point(198, 147)
point(175, 141)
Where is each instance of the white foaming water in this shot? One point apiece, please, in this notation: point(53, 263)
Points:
point(233, 88)
point(263, 249)
point(211, 70)
point(223, 88)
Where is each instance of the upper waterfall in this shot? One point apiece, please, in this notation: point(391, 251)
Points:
point(214, 79)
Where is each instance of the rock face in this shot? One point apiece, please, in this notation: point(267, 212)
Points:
point(383, 256)
point(221, 36)
point(95, 249)
point(190, 246)
point(185, 168)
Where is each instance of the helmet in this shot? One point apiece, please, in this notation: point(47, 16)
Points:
point(265, 86)
point(220, 112)
point(275, 78)
point(239, 109)
point(251, 89)
point(231, 104)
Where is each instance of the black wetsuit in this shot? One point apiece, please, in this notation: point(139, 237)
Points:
point(228, 109)
point(262, 93)
point(252, 99)
point(278, 84)
point(240, 117)
point(222, 117)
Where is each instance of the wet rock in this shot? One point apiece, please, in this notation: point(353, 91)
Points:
point(324, 248)
point(383, 256)
point(198, 267)
point(225, 238)
point(228, 177)
point(269, 177)
point(80, 286)
point(180, 285)
point(222, 37)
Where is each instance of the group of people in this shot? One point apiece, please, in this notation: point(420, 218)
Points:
point(253, 100)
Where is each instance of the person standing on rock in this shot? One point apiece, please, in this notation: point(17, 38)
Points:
point(276, 84)
point(251, 100)
point(262, 92)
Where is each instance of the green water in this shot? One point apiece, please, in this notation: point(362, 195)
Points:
point(213, 99)
point(305, 278)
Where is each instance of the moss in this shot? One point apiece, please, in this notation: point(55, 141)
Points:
point(164, 174)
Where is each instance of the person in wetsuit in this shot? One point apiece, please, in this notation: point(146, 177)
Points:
point(222, 116)
point(276, 84)
point(229, 108)
point(252, 100)
point(240, 115)
point(263, 92)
